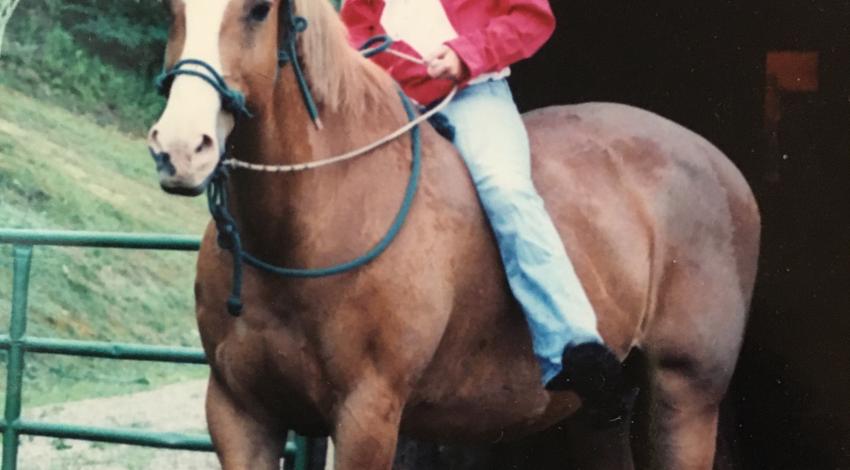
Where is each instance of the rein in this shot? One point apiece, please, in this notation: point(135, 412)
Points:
point(229, 237)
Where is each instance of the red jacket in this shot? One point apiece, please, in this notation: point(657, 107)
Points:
point(492, 35)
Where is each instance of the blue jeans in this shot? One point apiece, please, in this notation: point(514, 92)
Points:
point(491, 138)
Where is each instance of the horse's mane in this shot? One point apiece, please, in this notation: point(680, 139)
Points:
point(339, 76)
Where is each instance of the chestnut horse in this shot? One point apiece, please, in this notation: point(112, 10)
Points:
point(426, 340)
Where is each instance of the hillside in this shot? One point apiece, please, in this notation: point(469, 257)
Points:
point(60, 170)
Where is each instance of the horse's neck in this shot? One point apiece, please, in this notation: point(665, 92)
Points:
point(324, 215)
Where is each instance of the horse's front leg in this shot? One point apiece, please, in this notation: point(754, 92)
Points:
point(366, 428)
point(241, 440)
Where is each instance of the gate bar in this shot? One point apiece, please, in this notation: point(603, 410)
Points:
point(160, 440)
point(101, 239)
point(108, 350)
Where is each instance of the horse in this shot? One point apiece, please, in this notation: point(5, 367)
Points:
point(426, 339)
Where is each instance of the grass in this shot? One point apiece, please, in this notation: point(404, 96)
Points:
point(64, 171)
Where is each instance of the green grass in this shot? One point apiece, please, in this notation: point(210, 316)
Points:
point(61, 170)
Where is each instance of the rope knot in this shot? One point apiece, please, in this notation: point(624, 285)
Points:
point(226, 235)
point(233, 101)
point(234, 306)
point(283, 57)
point(162, 83)
point(223, 242)
point(299, 24)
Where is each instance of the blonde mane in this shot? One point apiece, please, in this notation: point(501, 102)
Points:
point(339, 77)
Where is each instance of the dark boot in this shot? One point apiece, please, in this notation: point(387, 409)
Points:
point(593, 372)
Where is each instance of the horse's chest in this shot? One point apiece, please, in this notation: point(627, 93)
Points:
point(272, 367)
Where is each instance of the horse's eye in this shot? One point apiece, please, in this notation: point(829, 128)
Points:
point(260, 12)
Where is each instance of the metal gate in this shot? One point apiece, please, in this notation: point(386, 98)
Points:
point(17, 344)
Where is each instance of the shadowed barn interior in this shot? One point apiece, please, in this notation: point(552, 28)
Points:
point(769, 83)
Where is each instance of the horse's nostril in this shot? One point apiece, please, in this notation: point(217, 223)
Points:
point(206, 143)
point(154, 137)
point(163, 163)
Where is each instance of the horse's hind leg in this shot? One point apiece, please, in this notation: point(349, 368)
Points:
point(683, 422)
point(691, 351)
point(241, 441)
point(593, 448)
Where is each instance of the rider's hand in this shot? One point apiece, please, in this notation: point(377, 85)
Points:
point(446, 64)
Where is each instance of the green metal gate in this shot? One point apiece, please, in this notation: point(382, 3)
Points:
point(17, 344)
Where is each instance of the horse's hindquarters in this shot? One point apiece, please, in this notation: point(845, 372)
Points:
point(667, 245)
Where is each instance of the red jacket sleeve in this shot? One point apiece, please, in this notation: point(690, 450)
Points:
point(363, 19)
point(506, 39)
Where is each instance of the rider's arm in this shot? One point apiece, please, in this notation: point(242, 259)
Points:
point(363, 19)
point(506, 39)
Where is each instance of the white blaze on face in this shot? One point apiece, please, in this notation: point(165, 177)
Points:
point(190, 96)
point(194, 111)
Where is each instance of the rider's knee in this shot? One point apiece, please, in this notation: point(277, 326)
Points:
point(507, 189)
point(506, 183)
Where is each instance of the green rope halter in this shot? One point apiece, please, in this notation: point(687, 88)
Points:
point(231, 100)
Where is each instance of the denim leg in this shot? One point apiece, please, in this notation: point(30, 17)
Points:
point(491, 138)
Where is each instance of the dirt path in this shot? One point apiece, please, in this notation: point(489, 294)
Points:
point(175, 408)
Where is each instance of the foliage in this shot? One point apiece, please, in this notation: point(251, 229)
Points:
point(66, 52)
point(128, 34)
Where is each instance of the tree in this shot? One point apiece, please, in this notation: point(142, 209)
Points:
point(7, 7)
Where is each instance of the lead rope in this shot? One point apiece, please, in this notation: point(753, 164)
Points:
point(228, 237)
point(292, 168)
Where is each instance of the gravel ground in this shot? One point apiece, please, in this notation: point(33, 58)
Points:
point(175, 408)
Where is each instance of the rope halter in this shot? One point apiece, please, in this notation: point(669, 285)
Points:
point(232, 100)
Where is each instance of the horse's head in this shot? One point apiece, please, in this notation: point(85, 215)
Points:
point(235, 41)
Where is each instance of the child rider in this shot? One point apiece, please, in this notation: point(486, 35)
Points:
point(473, 43)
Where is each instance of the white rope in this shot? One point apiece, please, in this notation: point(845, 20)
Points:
point(407, 57)
point(236, 163)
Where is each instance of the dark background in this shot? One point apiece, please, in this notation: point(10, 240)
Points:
point(703, 64)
